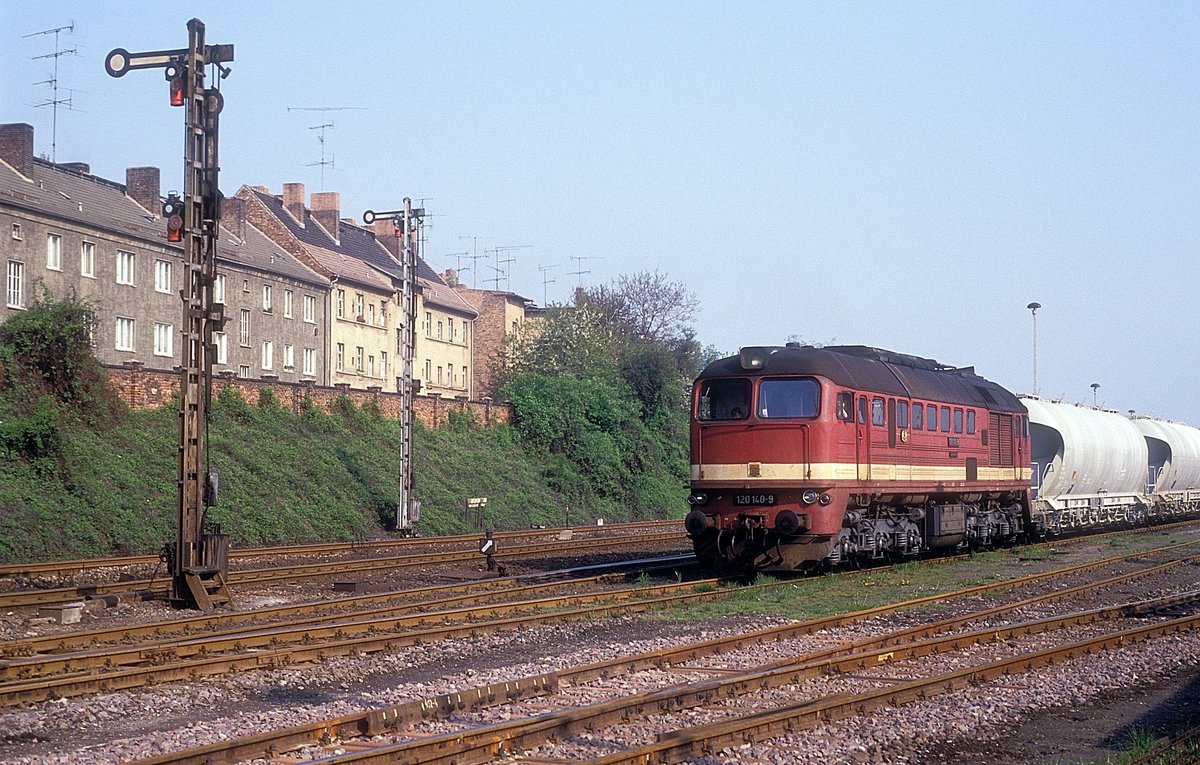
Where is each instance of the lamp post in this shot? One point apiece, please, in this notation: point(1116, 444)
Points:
point(1095, 387)
point(1033, 308)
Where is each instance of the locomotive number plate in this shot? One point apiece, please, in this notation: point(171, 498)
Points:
point(745, 500)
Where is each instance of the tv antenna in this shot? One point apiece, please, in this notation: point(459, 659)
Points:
point(475, 256)
point(579, 269)
point(323, 163)
point(546, 280)
point(502, 265)
point(460, 255)
point(54, 101)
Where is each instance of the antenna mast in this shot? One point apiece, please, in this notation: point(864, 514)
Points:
point(54, 102)
point(323, 163)
point(501, 266)
point(546, 281)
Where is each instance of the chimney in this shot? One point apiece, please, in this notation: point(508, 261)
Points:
point(325, 206)
point(260, 189)
point(142, 186)
point(233, 216)
point(450, 277)
point(385, 234)
point(293, 200)
point(16, 147)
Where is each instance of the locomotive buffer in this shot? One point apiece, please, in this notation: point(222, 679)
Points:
point(197, 561)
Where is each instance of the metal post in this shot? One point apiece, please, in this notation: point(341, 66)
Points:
point(197, 561)
point(1033, 307)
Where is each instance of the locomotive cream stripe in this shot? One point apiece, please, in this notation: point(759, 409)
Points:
point(754, 472)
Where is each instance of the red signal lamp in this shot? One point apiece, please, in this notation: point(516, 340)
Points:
point(174, 75)
point(173, 212)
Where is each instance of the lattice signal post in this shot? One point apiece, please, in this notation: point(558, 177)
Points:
point(197, 561)
point(406, 224)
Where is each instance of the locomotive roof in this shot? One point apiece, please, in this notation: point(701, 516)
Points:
point(872, 369)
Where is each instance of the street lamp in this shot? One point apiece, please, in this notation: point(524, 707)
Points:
point(1033, 308)
point(1095, 387)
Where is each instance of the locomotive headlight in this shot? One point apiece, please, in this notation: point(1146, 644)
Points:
point(698, 498)
point(825, 499)
point(787, 522)
point(809, 497)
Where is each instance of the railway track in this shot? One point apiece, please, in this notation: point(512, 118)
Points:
point(70, 567)
point(489, 740)
point(149, 588)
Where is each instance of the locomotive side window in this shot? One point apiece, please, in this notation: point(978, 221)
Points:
point(862, 410)
point(789, 398)
point(902, 415)
point(877, 412)
point(845, 405)
point(971, 421)
point(945, 419)
point(723, 400)
point(958, 421)
point(931, 418)
point(918, 416)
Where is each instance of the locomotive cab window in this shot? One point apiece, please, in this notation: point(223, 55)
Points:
point(918, 416)
point(845, 405)
point(789, 398)
point(723, 400)
point(877, 412)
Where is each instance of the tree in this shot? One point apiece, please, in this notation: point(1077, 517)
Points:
point(646, 307)
point(573, 342)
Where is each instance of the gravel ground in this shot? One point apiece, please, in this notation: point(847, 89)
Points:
point(119, 727)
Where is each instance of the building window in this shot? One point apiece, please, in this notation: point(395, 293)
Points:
point(124, 334)
point(428, 324)
point(383, 364)
point(371, 366)
point(16, 279)
point(87, 259)
point(221, 340)
point(125, 265)
point(268, 354)
point(245, 285)
point(428, 367)
point(464, 377)
point(450, 330)
point(54, 252)
point(439, 336)
point(382, 313)
point(267, 298)
point(439, 375)
point(164, 336)
point(244, 328)
point(287, 303)
point(310, 361)
point(466, 327)
point(289, 356)
point(341, 304)
point(341, 357)
point(358, 359)
point(358, 306)
point(162, 276)
point(219, 289)
point(16, 232)
point(244, 371)
point(310, 309)
point(371, 313)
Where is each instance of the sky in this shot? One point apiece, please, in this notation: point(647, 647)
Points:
point(902, 175)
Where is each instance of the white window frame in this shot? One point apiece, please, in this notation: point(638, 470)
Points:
point(370, 313)
point(358, 359)
point(268, 354)
point(428, 324)
point(54, 252)
point(310, 309)
point(266, 294)
point(289, 356)
point(219, 289)
point(244, 371)
point(341, 357)
point(221, 340)
point(15, 292)
point(244, 328)
point(164, 339)
point(383, 365)
point(125, 334)
point(310, 361)
point(358, 306)
point(87, 259)
point(383, 313)
point(162, 275)
point(341, 304)
point(287, 304)
point(126, 267)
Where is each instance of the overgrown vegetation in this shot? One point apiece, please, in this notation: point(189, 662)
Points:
point(81, 475)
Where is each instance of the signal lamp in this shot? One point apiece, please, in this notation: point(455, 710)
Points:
point(174, 75)
point(173, 211)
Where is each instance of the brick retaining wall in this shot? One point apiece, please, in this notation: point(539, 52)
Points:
point(143, 388)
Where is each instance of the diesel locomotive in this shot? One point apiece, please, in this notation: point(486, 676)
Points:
point(804, 457)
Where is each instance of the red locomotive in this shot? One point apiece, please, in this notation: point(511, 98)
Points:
point(804, 456)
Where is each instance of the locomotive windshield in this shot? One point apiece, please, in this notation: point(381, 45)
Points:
point(791, 398)
point(723, 400)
